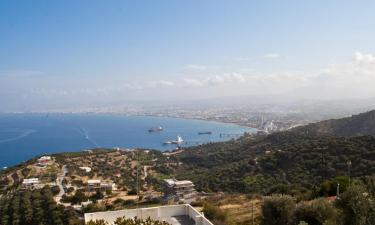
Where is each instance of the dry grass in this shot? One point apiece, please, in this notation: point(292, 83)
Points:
point(240, 209)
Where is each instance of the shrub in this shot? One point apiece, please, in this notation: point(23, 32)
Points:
point(214, 213)
point(278, 210)
point(357, 206)
point(55, 190)
point(329, 187)
point(97, 196)
point(124, 221)
point(316, 212)
point(132, 192)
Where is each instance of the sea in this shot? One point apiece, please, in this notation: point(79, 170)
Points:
point(23, 136)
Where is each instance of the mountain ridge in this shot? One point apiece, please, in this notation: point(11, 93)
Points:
point(356, 125)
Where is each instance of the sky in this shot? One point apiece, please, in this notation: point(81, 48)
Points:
point(65, 53)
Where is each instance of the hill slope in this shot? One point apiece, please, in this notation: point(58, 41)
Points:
point(303, 157)
point(356, 125)
point(279, 161)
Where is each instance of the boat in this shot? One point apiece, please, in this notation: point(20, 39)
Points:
point(155, 129)
point(178, 141)
point(207, 132)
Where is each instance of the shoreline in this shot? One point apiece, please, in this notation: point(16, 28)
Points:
point(129, 114)
point(153, 145)
point(201, 119)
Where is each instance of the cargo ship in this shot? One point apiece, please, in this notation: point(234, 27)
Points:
point(207, 132)
point(155, 129)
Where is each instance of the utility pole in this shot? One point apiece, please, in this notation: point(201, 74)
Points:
point(252, 213)
point(323, 164)
point(349, 164)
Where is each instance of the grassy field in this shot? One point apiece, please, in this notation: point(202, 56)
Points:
point(240, 209)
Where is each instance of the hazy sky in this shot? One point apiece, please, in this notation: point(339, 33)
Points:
point(59, 53)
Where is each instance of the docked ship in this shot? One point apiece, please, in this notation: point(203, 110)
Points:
point(155, 129)
point(178, 141)
point(207, 132)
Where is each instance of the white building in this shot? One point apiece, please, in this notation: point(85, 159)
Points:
point(179, 191)
point(93, 185)
point(31, 183)
point(99, 185)
point(44, 161)
point(108, 186)
point(173, 214)
point(85, 168)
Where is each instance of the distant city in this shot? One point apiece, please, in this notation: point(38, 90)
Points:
point(265, 116)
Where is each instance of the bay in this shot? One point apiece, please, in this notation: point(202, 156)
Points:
point(23, 136)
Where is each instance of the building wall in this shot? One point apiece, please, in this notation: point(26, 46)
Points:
point(154, 213)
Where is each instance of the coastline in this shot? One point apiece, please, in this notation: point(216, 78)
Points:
point(118, 132)
point(130, 114)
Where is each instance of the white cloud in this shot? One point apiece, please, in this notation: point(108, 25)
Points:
point(165, 83)
point(189, 82)
point(271, 55)
point(238, 77)
point(223, 79)
point(364, 58)
point(355, 78)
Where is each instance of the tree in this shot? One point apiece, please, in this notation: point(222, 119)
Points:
point(55, 190)
point(278, 210)
point(35, 207)
point(357, 206)
point(97, 196)
point(214, 213)
point(316, 212)
point(78, 197)
point(329, 187)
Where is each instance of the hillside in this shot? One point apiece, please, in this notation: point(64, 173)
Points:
point(277, 163)
point(356, 125)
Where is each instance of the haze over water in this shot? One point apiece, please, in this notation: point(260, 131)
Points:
point(23, 136)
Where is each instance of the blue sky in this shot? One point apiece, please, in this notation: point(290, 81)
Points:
point(56, 51)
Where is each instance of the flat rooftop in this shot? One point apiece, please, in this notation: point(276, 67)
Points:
point(173, 214)
point(174, 182)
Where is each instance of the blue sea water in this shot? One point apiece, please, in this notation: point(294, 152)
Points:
point(23, 136)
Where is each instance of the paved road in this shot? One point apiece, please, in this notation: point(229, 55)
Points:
point(59, 181)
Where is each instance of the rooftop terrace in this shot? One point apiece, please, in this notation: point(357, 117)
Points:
point(173, 214)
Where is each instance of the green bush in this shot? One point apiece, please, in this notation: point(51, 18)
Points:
point(278, 210)
point(357, 206)
point(329, 187)
point(55, 190)
point(214, 213)
point(132, 192)
point(316, 212)
point(124, 221)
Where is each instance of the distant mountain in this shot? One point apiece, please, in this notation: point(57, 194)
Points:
point(356, 125)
